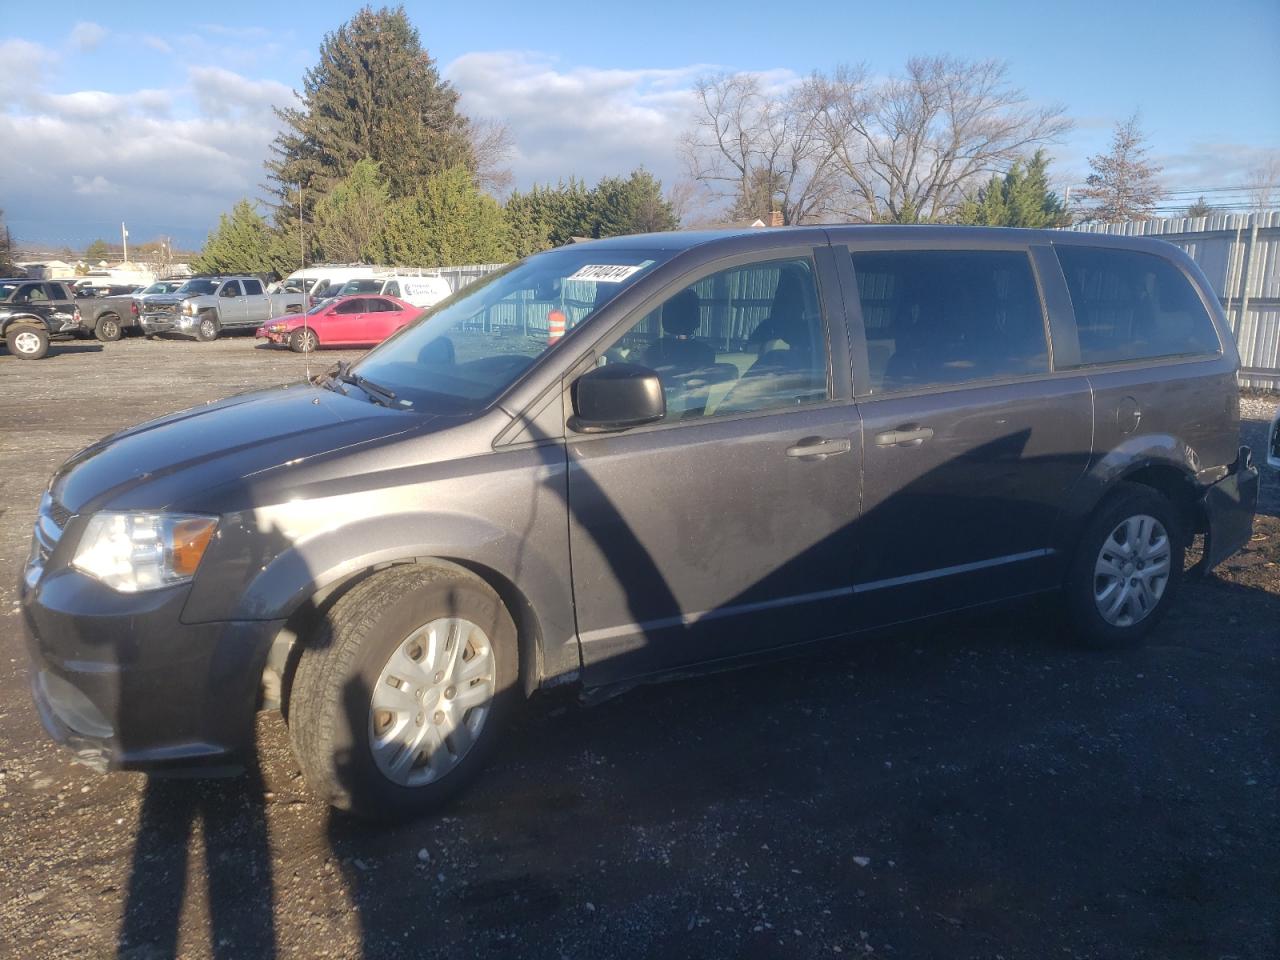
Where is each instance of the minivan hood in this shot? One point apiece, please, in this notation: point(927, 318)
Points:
point(158, 463)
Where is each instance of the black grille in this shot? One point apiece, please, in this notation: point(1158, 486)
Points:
point(59, 514)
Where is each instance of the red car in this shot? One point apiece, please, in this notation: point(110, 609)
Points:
point(359, 321)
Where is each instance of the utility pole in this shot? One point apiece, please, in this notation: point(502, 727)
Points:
point(124, 241)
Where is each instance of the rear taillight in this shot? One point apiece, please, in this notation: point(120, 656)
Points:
point(76, 314)
point(133, 306)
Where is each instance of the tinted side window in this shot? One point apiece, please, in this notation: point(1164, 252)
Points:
point(230, 289)
point(939, 317)
point(252, 287)
point(1133, 306)
point(392, 289)
point(744, 339)
point(354, 305)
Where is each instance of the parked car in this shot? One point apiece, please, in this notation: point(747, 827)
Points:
point(422, 292)
point(88, 291)
point(741, 443)
point(33, 312)
point(205, 306)
point(346, 322)
point(108, 317)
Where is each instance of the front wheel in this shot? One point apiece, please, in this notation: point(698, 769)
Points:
point(28, 342)
point(107, 329)
point(303, 340)
point(399, 700)
point(1127, 567)
point(208, 328)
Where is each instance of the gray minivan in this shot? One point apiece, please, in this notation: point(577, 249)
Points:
point(632, 458)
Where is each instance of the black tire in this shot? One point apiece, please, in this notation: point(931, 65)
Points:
point(107, 329)
point(304, 340)
point(330, 698)
point(27, 341)
point(1089, 625)
point(207, 328)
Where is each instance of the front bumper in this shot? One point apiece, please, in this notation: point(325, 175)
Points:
point(121, 680)
point(152, 323)
point(274, 336)
point(1229, 506)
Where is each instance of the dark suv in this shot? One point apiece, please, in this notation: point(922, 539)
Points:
point(622, 460)
point(33, 312)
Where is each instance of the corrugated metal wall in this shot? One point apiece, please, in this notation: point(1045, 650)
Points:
point(1240, 254)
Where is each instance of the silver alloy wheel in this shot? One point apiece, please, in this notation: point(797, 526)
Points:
point(431, 701)
point(110, 329)
point(26, 342)
point(308, 340)
point(207, 329)
point(1132, 570)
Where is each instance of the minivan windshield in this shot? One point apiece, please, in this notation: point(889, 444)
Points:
point(464, 352)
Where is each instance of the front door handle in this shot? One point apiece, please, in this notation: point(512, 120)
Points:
point(908, 435)
point(819, 448)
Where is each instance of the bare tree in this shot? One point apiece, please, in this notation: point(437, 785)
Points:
point(911, 147)
point(745, 134)
point(1263, 183)
point(904, 149)
point(1124, 184)
point(491, 146)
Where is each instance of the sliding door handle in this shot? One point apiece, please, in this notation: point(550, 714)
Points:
point(909, 435)
point(819, 448)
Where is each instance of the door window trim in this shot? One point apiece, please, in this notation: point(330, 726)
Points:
point(1070, 330)
point(830, 308)
point(857, 326)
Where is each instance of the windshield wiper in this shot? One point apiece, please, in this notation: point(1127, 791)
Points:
point(376, 392)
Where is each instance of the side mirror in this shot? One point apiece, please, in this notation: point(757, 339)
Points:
point(616, 397)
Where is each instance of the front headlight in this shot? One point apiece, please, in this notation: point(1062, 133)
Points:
point(130, 552)
point(188, 307)
point(277, 328)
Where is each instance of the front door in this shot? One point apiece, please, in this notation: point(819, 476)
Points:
point(230, 304)
point(971, 442)
point(726, 528)
point(345, 322)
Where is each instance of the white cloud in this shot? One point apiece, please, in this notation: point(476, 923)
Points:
point(583, 121)
point(168, 161)
point(87, 36)
point(23, 65)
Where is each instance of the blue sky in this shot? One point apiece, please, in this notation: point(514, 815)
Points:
point(161, 117)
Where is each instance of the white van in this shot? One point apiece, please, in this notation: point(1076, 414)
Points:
point(419, 291)
point(321, 283)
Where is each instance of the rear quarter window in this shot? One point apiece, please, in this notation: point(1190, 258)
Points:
point(1131, 305)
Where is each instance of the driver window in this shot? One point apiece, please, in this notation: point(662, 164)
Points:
point(230, 289)
point(355, 305)
point(744, 339)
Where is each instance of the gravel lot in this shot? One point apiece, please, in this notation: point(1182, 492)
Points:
point(972, 788)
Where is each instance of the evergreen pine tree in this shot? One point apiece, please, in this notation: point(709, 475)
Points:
point(374, 93)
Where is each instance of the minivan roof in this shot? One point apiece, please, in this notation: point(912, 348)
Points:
point(893, 233)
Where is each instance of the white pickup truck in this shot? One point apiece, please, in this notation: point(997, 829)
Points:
point(205, 306)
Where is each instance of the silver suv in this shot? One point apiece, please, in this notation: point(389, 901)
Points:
point(627, 459)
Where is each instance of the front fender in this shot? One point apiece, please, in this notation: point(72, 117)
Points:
point(270, 571)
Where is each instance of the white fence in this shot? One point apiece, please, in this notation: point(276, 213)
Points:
point(1240, 254)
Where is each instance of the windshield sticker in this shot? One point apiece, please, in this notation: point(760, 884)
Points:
point(606, 272)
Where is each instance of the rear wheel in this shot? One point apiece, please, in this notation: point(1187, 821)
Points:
point(208, 328)
point(303, 340)
point(28, 341)
point(107, 329)
point(399, 700)
point(1127, 568)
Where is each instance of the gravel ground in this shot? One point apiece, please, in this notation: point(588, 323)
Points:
point(972, 788)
